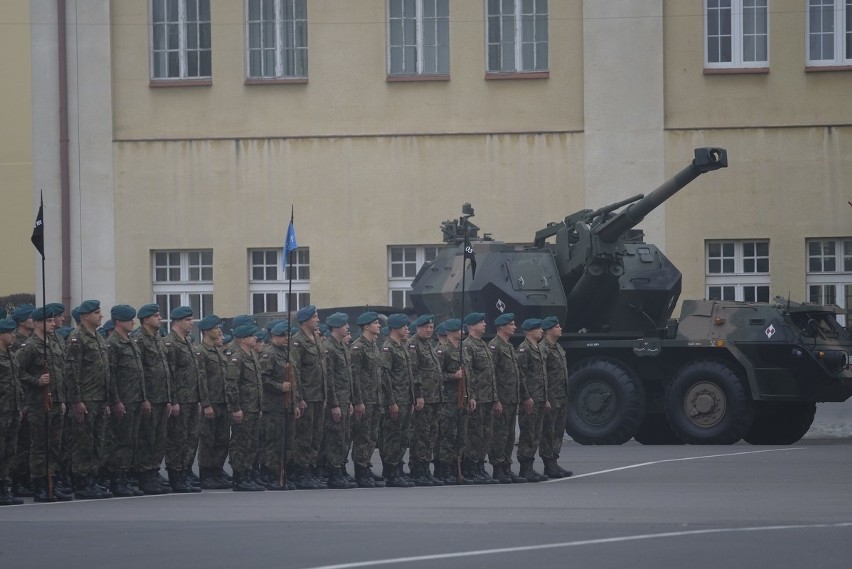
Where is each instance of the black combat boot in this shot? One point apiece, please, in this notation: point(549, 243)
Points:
point(363, 477)
point(273, 480)
point(6, 497)
point(336, 479)
point(119, 486)
point(551, 470)
point(428, 474)
point(565, 473)
point(149, 484)
point(450, 472)
point(243, 483)
point(469, 473)
point(486, 478)
point(84, 488)
point(178, 482)
point(103, 490)
point(40, 493)
point(60, 492)
point(347, 476)
point(499, 474)
point(418, 474)
point(395, 479)
point(21, 486)
point(300, 478)
point(529, 473)
point(507, 468)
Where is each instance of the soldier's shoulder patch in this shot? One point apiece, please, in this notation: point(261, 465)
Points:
point(492, 346)
point(522, 349)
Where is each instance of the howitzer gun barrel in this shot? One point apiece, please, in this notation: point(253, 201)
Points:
point(706, 160)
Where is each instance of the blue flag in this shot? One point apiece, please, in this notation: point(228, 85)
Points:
point(289, 243)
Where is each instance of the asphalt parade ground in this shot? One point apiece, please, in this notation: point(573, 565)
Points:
point(627, 506)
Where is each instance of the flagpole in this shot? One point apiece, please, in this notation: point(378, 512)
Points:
point(289, 260)
point(47, 398)
point(467, 211)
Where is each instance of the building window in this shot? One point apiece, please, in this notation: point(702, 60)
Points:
point(829, 32)
point(183, 278)
point(403, 264)
point(180, 39)
point(277, 39)
point(418, 37)
point(517, 36)
point(829, 275)
point(737, 270)
point(736, 33)
point(269, 282)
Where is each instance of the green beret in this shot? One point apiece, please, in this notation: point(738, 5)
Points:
point(108, 326)
point(441, 330)
point(75, 314)
point(147, 310)
point(337, 320)
point(245, 331)
point(55, 309)
point(504, 319)
point(273, 323)
point(367, 318)
point(262, 335)
point(63, 331)
point(280, 329)
point(242, 320)
point(208, 322)
point(412, 329)
point(89, 306)
point(452, 325)
point(531, 324)
point(38, 314)
point(396, 321)
point(22, 312)
point(474, 318)
point(549, 322)
point(2, 313)
point(180, 313)
point(385, 331)
point(227, 338)
point(323, 328)
point(423, 320)
point(122, 312)
point(306, 313)
point(8, 325)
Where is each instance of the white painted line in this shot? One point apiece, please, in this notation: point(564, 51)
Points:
point(604, 540)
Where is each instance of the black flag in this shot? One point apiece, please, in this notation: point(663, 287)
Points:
point(470, 254)
point(38, 230)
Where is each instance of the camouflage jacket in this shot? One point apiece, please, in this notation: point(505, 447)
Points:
point(556, 367)
point(11, 395)
point(158, 376)
point(243, 389)
point(366, 372)
point(183, 363)
point(479, 368)
point(212, 364)
point(126, 362)
point(338, 364)
point(308, 367)
point(533, 376)
point(273, 373)
point(87, 371)
point(18, 342)
point(31, 361)
point(505, 370)
point(396, 374)
point(449, 356)
point(426, 370)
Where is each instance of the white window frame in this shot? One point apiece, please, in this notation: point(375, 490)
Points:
point(840, 279)
point(841, 36)
point(736, 284)
point(186, 289)
point(738, 35)
point(184, 48)
point(519, 39)
point(289, 42)
point(400, 286)
point(279, 285)
point(422, 44)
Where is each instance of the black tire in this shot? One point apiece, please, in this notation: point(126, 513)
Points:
point(655, 430)
point(606, 403)
point(780, 423)
point(708, 404)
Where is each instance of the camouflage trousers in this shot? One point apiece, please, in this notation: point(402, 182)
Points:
point(553, 430)
point(530, 427)
point(122, 438)
point(308, 438)
point(41, 439)
point(273, 435)
point(503, 442)
point(151, 445)
point(88, 440)
point(480, 430)
point(182, 437)
point(365, 434)
point(10, 422)
point(453, 431)
point(21, 460)
point(213, 438)
point(337, 437)
point(243, 445)
point(424, 432)
point(394, 435)
point(67, 439)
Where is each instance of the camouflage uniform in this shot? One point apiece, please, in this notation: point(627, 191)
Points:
point(533, 385)
point(32, 365)
point(126, 363)
point(89, 379)
point(278, 421)
point(20, 462)
point(508, 389)
point(557, 393)
point(398, 389)
point(244, 392)
point(366, 389)
point(453, 420)
point(309, 372)
point(151, 448)
point(338, 365)
point(428, 384)
point(215, 433)
point(182, 431)
point(479, 367)
point(11, 405)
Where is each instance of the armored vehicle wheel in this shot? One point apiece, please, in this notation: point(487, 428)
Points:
point(655, 430)
point(780, 423)
point(606, 403)
point(707, 404)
